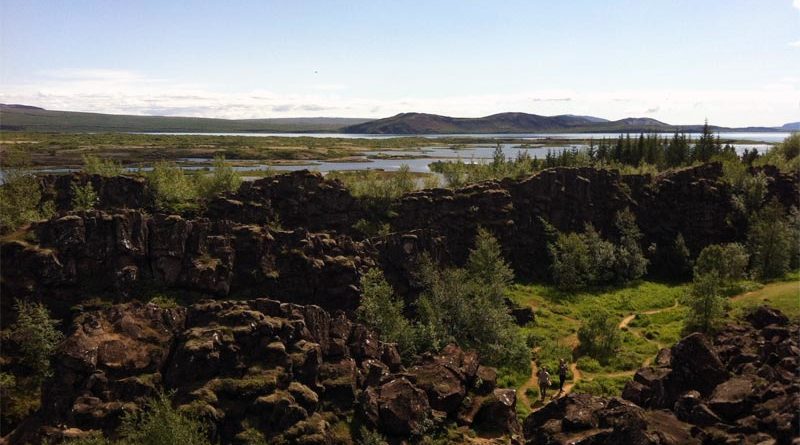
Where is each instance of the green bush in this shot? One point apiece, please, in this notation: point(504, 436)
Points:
point(599, 336)
point(602, 256)
point(159, 423)
point(770, 240)
point(571, 266)
point(631, 263)
point(706, 305)
point(173, 190)
point(223, 178)
point(20, 195)
point(457, 306)
point(94, 165)
point(369, 437)
point(36, 334)
point(83, 196)
point(382, 311)
point(727, 261)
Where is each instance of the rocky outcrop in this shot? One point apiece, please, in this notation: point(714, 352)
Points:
point(292, 200)
point(99, 252)
point(742, 384)
point(289, 371)
point(116, 192)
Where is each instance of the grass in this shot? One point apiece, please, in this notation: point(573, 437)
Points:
point(658, 323)
point(602, 386)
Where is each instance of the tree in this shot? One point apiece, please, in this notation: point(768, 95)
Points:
point(20, 195)
point(769, 239)
point(599, 336)
point(727, 261)
point(457, 307)
point(706, 305)
point(571, 268)
point(602, 256)
point(631, 263)
point(83, 196)
point(706, 146)
point(673, 261)
point(486, 264)
point(36, 334)
point(382, 311)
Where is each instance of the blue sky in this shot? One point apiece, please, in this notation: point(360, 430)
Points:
point(736, 62)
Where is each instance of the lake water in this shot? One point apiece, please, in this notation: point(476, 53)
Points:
point(750, 136)
point(419, 159)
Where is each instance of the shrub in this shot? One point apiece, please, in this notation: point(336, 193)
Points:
point(599, 336)
point(381, 310)
point(631, 263)
point(94, 165)
point(37, 336)
point(486, 264)
point(706, 305)
point(456, 306)
point(727, 261)
point(769, 240)
point(571, 266)
point(602, 256)
point(223, 178)
point(672, 261)
point(159, 423)
point(369, 437)
point(83, 196)
point(20, 195)
point(172, 189)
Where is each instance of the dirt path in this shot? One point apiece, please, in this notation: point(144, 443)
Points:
point(532, 382)
point(572, 342)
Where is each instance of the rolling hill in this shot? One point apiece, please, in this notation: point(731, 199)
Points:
point(28, 118)
point(421, 123)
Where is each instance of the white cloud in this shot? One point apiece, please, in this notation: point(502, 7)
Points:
point(796, 4)
point(795, 44)
point(125, 92)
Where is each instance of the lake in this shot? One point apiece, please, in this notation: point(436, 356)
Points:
point(419, 159)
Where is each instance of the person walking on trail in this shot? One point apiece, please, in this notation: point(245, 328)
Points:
point(544, 381)
point(562, 375)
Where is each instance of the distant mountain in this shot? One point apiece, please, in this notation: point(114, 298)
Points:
point(421, 123)
point(28, 118)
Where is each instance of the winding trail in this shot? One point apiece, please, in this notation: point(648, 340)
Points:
point(572, 342)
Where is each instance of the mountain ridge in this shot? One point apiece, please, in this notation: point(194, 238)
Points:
point(18, 117)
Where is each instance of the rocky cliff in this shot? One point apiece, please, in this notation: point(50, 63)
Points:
point(293, 373)
point(291, 236)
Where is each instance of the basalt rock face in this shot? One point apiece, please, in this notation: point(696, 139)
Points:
point(692, 201)
point(297, 199)
point(738, 387)
point(291, 372)
point(112, 192)
point(100, 252)
point(781, 186)
point(234, 248)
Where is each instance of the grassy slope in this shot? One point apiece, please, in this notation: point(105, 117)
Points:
point(658, 322)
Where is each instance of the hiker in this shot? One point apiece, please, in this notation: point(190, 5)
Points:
point(562, 374)
point(544, 381)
